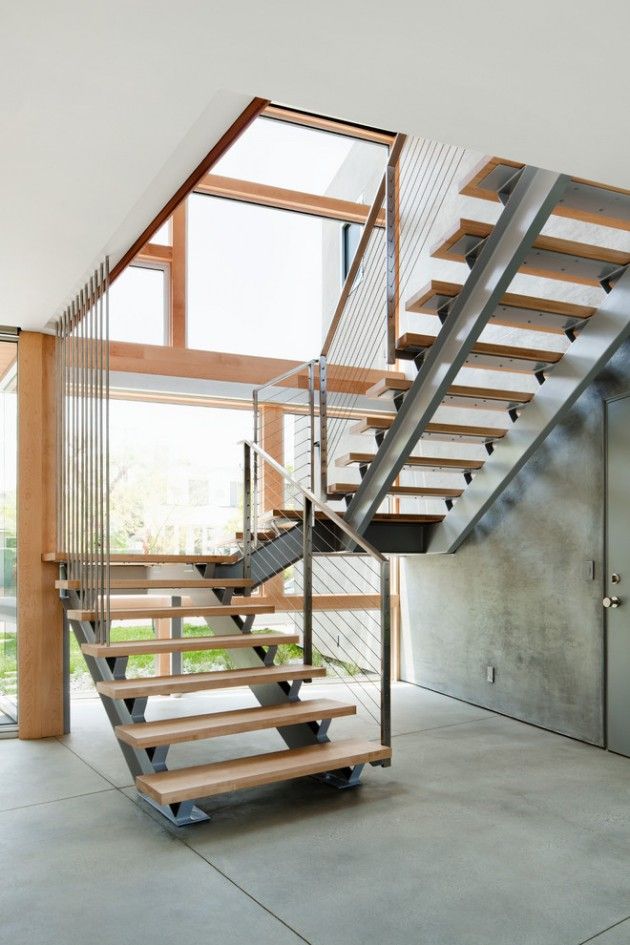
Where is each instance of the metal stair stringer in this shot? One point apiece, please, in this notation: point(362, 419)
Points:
point(497, 262)
point(583, 361)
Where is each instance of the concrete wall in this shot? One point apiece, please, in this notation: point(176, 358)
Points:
point(517, 595)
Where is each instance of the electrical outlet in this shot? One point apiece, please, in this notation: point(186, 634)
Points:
point(490, 674)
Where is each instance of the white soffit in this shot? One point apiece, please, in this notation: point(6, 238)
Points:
point(105, 107)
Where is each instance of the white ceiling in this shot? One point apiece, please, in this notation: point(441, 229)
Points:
point(105, 106)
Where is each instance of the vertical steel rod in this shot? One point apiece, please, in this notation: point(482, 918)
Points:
point(386, 669)
point(247, 511)
point(323, 428)
point(311, 415)
point(307, 581)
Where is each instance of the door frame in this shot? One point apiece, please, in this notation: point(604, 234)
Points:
point(603, 580)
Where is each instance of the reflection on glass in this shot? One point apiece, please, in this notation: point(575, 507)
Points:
point(8, 543)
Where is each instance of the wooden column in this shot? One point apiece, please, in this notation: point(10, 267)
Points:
point(39, 612)
point(178, 278)
point(272, 486)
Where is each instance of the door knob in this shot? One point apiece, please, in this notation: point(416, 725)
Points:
point(611, 602)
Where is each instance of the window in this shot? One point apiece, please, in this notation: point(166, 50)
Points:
point(163, 459)
point(138, 306)
point(300, 158)
point(350, 239)
point(254, 279)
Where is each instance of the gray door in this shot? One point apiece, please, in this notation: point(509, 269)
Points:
point(617, 578)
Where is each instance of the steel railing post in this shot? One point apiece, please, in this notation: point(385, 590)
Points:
point(386, 669)
point(307, 580)
point(311, 415)
point(323, 430)
point(247, 511)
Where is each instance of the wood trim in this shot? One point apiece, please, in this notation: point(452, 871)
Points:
point(288, 603)
point(247, 116)
point(281, 198)
point(40, 617)
point(177, 308)
point(322, 123)
point(131, 358)
point(155, 253)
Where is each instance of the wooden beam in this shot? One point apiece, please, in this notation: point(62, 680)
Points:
point(333, 125)
point(177, 320)
point(40, 618)
point(223, 366)
point(155, 253)
point(235, 130)
point(280, 198)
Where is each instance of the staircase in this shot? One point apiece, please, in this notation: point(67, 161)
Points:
point(220, 589)
point(460, 313)
point(337, 554)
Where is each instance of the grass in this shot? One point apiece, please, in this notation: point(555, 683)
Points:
point(145, 665)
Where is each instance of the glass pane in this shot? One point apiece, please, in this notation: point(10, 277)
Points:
point(299, 158)
point(8, 535)
point(255, 279)
point(137, 306)
point(163, 235)
point(176, 475)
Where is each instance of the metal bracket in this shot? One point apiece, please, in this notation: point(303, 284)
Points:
point(270, 655)
point(540, 377)
point(181, 815)
point(398, 402)
point(513, 414)
point(322, 731)
point(379, 437)
point(342, 778)
point(137, 708)
point(489, 448)
point(158, 755)
point(473, 254)
point(118, 666)
point(294, 690)
point(607, 282)
point(504, 193)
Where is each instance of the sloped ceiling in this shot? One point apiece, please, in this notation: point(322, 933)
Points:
point(106, 106)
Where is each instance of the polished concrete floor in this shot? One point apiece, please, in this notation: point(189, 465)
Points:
point(484, 831)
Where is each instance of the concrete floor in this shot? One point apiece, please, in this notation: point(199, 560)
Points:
point(484, 831)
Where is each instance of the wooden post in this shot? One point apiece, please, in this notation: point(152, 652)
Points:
point(178, 278)
point(272, 486)
point(40, 616)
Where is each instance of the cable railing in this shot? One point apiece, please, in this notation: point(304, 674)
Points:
point(339, 602)
point(82, 372)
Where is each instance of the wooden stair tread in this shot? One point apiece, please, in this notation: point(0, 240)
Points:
point(584, 200)
point(549, 257)
point(185, 784)
point(514, 311)
point(486, 355)
point(443, 463)
point(487, 398)
point(157, 613)
point(378, 517)
point(448, 431)
point(429, 492)
point(212, 725)
point(290, 603)
point(195, 682)
point(187, 644)
point(130, 558)
point(130, 584)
